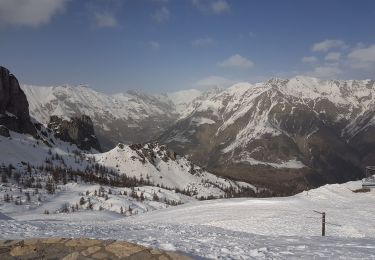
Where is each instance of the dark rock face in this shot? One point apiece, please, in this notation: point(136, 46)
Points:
point(147, 151)
point(79, 131)
point(14, 108)
point(4, 131)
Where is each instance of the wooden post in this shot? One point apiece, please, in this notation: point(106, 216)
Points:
point(323, 224)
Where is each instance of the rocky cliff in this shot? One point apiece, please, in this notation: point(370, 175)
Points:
point(14, 108)
point(78, 130)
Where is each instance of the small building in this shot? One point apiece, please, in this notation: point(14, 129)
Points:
point(369, 181)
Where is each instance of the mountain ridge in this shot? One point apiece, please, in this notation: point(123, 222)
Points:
point(251, 130)
point(302, 131)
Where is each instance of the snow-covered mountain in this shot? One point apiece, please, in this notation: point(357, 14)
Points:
point(286, 134)
point(302, 131)
point(129, 117)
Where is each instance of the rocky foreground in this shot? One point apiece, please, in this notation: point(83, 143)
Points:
point(69, 249)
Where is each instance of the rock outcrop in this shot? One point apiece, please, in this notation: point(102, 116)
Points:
point(81, 248)
point(79, 131)
point(14, 108)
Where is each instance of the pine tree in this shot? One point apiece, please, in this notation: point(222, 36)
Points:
point(50, 186)
point(7, 198)
point(155, 197)
point(90, 205)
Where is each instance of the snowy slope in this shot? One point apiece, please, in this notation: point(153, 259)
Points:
point(152, 162)
point(20, 149)
point(288, 216)
point(161, 166)
point(273, 228)
point(105, 206)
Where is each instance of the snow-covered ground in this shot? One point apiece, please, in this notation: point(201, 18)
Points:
point(272, 228)
point(106, 200)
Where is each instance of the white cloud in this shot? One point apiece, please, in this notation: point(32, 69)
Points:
point(161, 15)
point(105, 19)
point(32, 13)
point(327, 45)
point(362, 57)
point(200, 42)
point(155, 46)
point(220, 6)
point(310, 59)
point(236, 61)
point(213, 81)
point(326, 72)
point(212, 6)
point(333, 56)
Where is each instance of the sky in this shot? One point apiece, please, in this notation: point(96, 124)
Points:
point(168, 45)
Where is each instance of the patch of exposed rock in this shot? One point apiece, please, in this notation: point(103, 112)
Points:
point(78, 130)
point(4, 131)
point(14, 108)
point(63, 248)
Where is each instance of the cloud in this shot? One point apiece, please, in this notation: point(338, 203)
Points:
point(362, 57)
point(220, 6)
point(161, 15)
point(212, 6)
point(326, 72)
point(31, 13)
point(201, 42)
point(333, 56)
point(236, 61)
point(105, 19)
point(327, 45)
point(155, 46)
point(310, 59)
point(213, 81)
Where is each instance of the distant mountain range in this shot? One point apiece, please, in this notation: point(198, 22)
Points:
point(130, 117)
point(287, 135)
